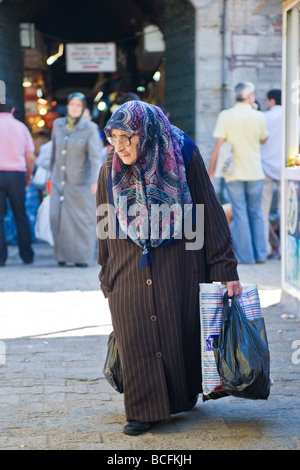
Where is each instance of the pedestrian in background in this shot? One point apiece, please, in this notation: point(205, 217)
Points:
point(245, 128)
point(16, 167)
point(271, 156)
point(75, 164)
point(152, 281)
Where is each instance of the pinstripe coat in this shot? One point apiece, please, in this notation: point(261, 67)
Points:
point(155, 312)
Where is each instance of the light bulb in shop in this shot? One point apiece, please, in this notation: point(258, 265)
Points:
point(101, 105)
point(156, 76)
point(98, 96)
point(53, 58)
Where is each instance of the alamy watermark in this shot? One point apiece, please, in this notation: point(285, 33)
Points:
point(2, 353)
point(2, 92)
point(159, 222)
point(296, 353)
point(296, 94)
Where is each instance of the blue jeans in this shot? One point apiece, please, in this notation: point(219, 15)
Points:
point(12, 186)
point(247, 226)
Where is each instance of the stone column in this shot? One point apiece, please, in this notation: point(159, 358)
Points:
point(11, 61)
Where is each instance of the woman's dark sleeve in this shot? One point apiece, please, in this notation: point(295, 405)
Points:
point(220, 259)
point(101, 198)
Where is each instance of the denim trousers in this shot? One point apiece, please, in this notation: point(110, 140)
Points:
point(266, 204)
point(12, 187)
point(247, 227)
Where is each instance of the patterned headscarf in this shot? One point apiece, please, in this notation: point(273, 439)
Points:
point(158, 177)
point(71, 122)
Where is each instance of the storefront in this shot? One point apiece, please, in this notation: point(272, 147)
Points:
point(290, 194)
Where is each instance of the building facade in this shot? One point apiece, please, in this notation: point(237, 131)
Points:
point(232, 44)
point(210, 45)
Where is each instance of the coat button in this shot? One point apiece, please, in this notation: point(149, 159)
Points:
point(158, 355)
point(153, 317)
point(149, 282)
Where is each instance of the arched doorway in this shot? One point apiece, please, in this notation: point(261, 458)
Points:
point(150, 36)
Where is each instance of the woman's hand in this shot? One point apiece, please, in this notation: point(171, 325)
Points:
point(94, 188)
point(233, 288)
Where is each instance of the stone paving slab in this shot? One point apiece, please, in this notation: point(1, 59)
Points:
point(54, 324)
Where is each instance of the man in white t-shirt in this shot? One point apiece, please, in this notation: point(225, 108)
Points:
point(271, 155)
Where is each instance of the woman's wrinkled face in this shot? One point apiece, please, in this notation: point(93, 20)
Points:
point(75, 108)
point(125, 148)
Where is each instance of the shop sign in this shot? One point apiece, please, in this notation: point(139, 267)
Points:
point(91, 57)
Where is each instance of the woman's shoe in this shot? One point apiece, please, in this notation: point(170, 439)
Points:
point(134, 428)
point(81, 265)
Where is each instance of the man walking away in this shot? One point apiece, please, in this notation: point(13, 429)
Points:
point(245, 128)
point(271, 156)
point(16, 167)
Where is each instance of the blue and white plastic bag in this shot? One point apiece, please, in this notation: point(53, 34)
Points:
point(211, 316)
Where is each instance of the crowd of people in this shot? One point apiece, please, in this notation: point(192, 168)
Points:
point(76, 152)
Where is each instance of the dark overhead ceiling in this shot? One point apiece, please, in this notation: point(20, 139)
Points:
point(89, 21)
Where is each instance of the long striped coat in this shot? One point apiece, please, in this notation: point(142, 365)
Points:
point(155, 312)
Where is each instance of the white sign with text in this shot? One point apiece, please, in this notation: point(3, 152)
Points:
point(91, 57)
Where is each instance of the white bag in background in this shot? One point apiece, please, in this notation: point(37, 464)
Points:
point(224, 164)
point(40, 178)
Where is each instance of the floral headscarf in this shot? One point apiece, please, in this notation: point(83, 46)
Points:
point(71, 122)
point(156, 180)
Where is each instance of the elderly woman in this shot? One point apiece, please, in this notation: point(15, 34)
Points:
point(75, 165)
point(151, 279)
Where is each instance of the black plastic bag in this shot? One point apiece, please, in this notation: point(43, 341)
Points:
point(112, 369)
point(242, 354)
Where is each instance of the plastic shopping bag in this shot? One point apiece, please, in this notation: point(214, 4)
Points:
point(40, 178)
point(112, 369)
point(42, 225)
point(242, 353)
point(211, 316)
point(225, 162)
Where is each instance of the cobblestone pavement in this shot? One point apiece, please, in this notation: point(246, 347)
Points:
point(54, 324)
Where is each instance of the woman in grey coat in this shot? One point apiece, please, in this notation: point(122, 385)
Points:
point(75, 166)
point(150, 272)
